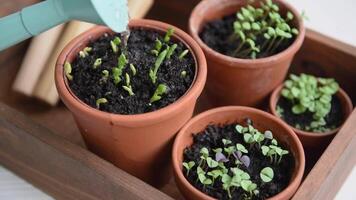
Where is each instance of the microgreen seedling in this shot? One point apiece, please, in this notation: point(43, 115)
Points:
point(159, 61)
point(229, 150)
point(310, 94)
point(97, 63)
point(68, 70)
point(188, 166)
point(114, 44)
point(249, 187)
point(183, 74)
point(117, 71)
point(128, 86)
point(226, 142)
point(211, 162)
point(85, 52)
point(168, 35)
point(267, 174)
point(171, 50)
point(253, 24)
point(100, 101)
point(220, 157)
point(241, 148)
point(161, 89)
point(133, 69)
point(183, 54)
point(158, 47)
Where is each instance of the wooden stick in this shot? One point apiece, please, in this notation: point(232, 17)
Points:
point(60, 168)
point(45, 89)
point(35, 60)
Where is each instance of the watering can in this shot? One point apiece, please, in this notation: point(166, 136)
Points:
point(40, 17)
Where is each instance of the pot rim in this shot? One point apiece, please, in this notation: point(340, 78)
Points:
point(239, 62)
point(347, 108)
point(297, 177)
point(193, 92)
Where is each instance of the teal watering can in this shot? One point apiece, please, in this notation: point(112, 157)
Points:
point(40, 17)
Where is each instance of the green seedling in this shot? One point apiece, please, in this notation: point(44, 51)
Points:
point(97, 63)
point(159, 61)
point(117, 71)
point(161, 89)
point(310, 94)
point(267, 174)
point(241, 148)
point(229, 150)
point(171, 50)
point(158, 47)
point(168, 35)
point(253, 23)
point(226, 142)
point(249, 187)
point(115, 43)
point(211, 162)
point(133, 69)
point(183, 54)
point(128, 86)
point(183, 74)
point(214, 174)
point(188, 166)
point(100, 101)
point(68, 70)
point(202, 177)
point(85, 52)
point(105, 75)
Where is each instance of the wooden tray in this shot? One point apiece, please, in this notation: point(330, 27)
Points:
point(45, 147)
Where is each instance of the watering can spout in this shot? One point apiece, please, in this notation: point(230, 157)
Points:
point(40, 17)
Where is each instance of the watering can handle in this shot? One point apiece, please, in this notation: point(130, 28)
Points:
point(40, 17)
point(29, 22)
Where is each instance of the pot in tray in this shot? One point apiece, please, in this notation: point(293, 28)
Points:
point(238, 142)
point(320, 136)
point(136, 137)
point(231, 80)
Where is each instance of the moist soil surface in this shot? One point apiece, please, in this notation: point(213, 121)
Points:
point(211, 138)
point(333, 119)
point(216, 35)
point(88, 83)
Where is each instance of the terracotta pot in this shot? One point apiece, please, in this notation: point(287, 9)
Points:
point(139, 144)
point(311, 140)
point(232, 81)
point(231, 114)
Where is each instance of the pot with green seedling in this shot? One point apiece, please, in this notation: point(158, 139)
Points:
point(130, 100)
point(249, 46)
point(237, 153)
point(314, 107)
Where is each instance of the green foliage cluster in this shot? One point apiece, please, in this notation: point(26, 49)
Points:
point(308, 93)
point(122, 63)
point(262, 23)
point(224, 165)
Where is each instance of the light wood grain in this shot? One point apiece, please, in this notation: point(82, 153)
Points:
point(61, 168)
point(35, 60)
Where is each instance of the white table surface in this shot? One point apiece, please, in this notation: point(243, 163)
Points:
point(334, 25)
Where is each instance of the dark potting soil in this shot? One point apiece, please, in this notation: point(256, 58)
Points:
point(211, 138)
point(216, 35)
point(88, 85)
point(333, 119)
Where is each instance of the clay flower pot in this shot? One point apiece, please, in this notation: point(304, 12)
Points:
point(232, 81)
point(139, 144)
point(238, 114)
point(312, 140)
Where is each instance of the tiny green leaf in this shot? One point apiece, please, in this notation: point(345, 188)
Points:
point(267, 174)
point(161, 89)
point(100, 101)
point(168, 35)
point(97, 63)
point(68, 70)
point(183, 54)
